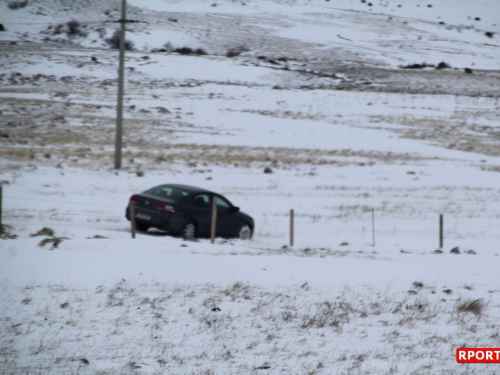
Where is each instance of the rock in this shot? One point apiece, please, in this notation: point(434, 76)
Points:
point(455, 250)
point(437, 251)
point(43, 232)
point(268, 170)
point(468, 70)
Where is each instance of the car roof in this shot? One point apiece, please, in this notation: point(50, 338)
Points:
point(189, 189)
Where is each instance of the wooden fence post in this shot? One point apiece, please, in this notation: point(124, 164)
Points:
point(132, 218)
point(291, 228)
point(441, 231)
point(1, 197)
point(373, 226)
point(214, 220)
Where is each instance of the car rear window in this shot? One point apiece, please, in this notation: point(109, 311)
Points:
point(167, 192)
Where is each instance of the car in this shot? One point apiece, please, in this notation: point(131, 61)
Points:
point(186, 211)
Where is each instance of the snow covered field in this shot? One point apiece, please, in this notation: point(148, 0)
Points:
point(367, 152)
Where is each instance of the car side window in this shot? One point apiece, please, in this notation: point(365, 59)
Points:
point(202, 200)
point(223, 203)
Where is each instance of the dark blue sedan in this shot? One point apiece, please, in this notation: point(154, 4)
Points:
point(187, 211)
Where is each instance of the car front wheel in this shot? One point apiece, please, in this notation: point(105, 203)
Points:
point(245, 232)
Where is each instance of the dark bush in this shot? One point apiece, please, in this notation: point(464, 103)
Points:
point(417, 66)
point(443, 65)
point(468, 70)
point(114, 42)
point(190, 51)
point(184, 51)
point(73, 28)
point(489, 34)
point(17, 4)
point(2, 28)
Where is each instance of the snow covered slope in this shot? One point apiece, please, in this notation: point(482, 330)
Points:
point(368, 137)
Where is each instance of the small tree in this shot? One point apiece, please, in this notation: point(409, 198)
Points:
point(114, 41)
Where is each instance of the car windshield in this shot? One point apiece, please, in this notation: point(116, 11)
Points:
point(167, 192)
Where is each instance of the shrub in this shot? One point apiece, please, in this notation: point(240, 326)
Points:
point(443, 65)
point(114, 41)
point(17, 4)
point(184, 51)
point(418, 66)
point(73, 28)
point(190, 51)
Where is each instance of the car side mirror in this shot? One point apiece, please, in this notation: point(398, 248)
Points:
point(235, 209)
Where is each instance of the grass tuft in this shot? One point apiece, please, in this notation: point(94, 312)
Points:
point(474, 306)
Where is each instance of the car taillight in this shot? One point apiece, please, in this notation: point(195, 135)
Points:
point(164, 207)
point(134, 200)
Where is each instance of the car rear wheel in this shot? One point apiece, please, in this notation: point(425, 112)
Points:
point(141, 227)
point(245, 232)
point(189, 231)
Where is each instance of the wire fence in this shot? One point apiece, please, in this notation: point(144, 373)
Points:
point(96, 216)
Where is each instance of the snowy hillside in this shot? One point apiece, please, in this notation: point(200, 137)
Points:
point(373, 118)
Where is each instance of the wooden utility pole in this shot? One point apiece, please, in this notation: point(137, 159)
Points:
point(119, 107)
point(291, 227)
point(214, 220)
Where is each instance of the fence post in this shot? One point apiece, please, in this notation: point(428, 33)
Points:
point(441, 231)
point(214, 220)
point(132, 218)
point(1, 197)
point(291, 227)
point(373, 226)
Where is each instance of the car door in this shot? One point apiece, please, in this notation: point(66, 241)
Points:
point(227, 223)
point(202, 212)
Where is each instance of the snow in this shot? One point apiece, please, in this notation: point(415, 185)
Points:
point(367, 155)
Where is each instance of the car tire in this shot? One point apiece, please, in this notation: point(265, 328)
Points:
point(141, 227)
point(188, 231)
point(245, 232)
